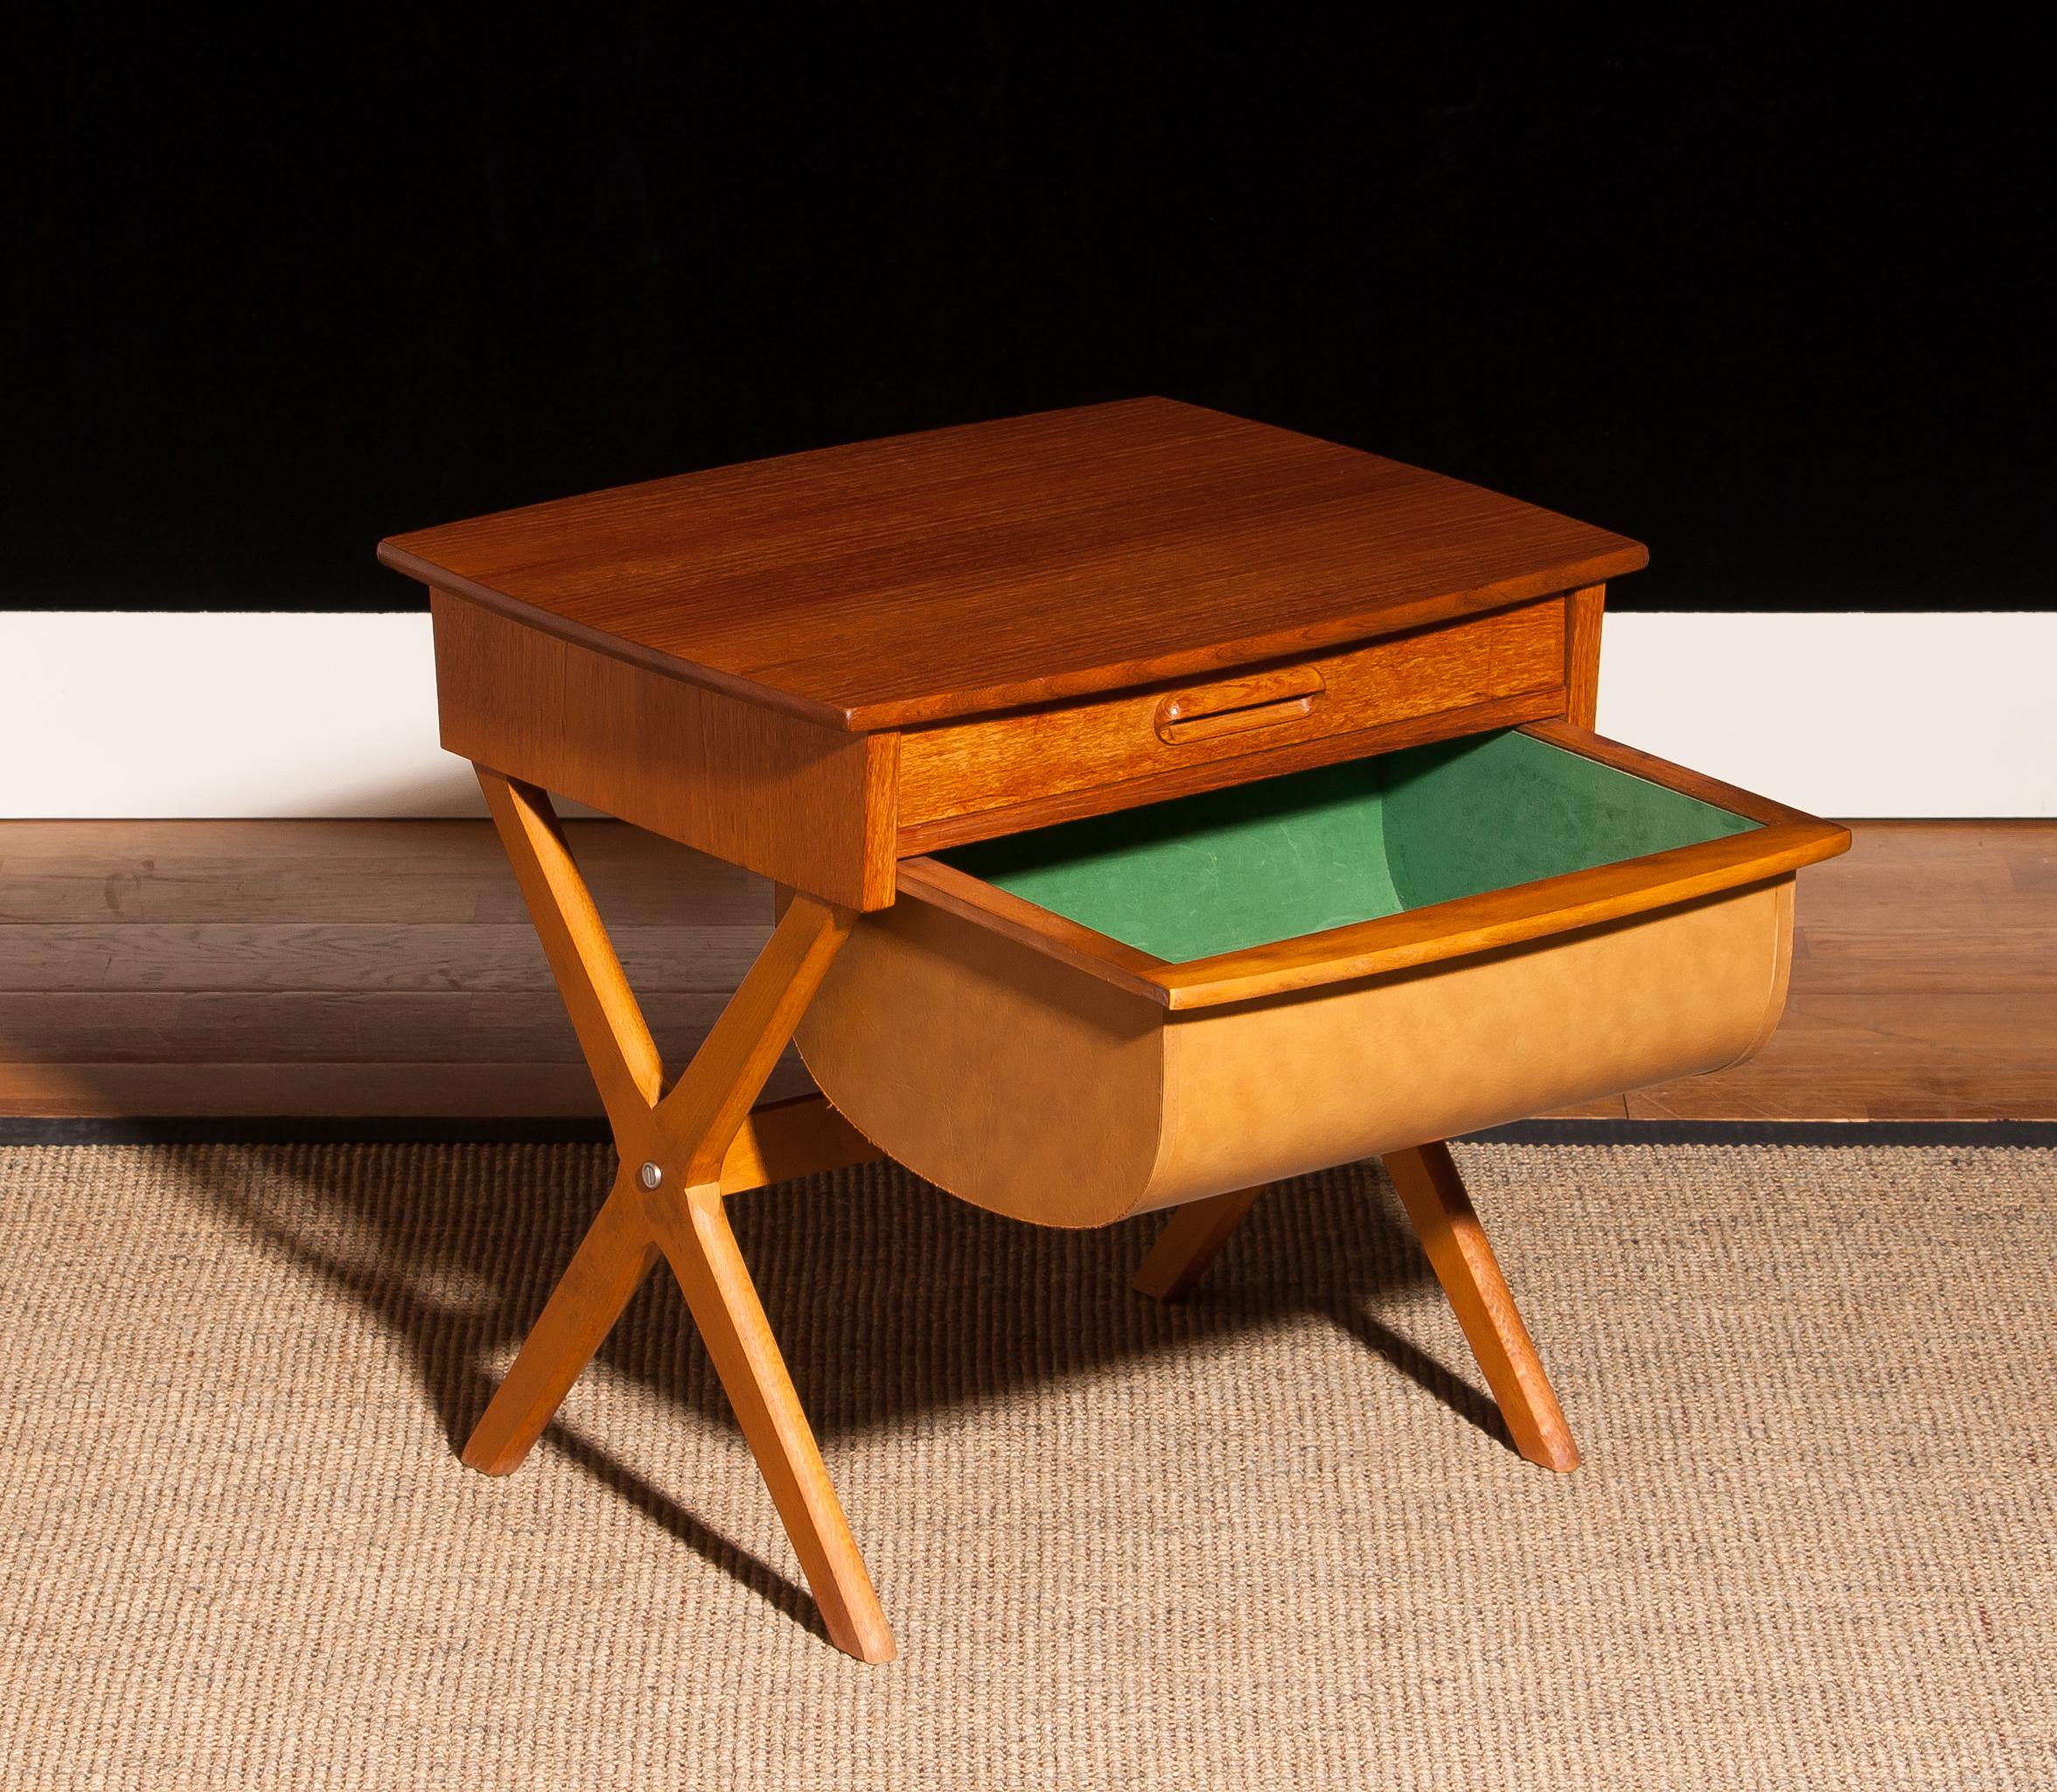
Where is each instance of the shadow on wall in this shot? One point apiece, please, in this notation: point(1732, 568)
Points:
point(890, 1299)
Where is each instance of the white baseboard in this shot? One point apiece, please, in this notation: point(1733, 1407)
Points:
point(292, 715)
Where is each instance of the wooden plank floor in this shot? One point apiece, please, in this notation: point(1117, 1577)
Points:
point(388, 968)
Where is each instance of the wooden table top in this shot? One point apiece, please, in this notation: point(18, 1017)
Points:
point(977, 568)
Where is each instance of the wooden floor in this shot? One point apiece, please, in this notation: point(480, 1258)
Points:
point(386, 968)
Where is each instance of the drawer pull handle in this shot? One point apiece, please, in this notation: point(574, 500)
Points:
point(1237, 706)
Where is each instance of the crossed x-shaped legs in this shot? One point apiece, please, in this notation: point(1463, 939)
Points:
point(683, 1150)
point(1453, 1239)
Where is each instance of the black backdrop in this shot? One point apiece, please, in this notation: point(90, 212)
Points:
point(1767, 303)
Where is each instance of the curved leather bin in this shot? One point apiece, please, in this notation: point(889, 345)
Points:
point(1542, 919)
point(1025, 1085)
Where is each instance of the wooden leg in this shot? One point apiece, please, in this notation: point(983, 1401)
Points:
point(776, 1143)
point(1191, 1239)
point(1433, 1195)
point(1585, 611)
point(783, 1139)
point(693, 1232)
point(680, 1151)
point(608, 1267)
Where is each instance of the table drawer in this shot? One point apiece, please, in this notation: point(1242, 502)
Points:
point(1134, 1010)
point(969, 781)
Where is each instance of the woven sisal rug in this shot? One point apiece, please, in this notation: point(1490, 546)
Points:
point(1272, 1539)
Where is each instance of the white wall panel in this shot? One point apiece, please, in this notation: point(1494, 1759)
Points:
point(159, 714)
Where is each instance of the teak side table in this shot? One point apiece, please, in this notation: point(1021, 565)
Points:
point(1387, 886)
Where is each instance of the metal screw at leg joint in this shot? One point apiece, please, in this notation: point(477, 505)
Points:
point(650, 1177)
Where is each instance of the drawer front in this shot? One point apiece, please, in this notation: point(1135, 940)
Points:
point(1001, 775)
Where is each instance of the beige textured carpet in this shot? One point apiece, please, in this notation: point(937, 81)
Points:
point(1270, 1540)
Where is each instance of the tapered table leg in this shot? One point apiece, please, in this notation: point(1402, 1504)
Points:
point(1191, 1239)
point(608, 1267)
point(1433, 1192)
point(693, 1232)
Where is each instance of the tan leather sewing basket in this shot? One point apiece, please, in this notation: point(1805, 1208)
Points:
point(1134, 1010)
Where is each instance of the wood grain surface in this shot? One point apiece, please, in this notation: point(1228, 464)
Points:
point(983, 568)
point(1006, 773)
point(388, 968)
point(1584, 616)
point(809, 805)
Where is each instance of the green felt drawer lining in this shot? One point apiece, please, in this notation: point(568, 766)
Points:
point(1290, 855)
